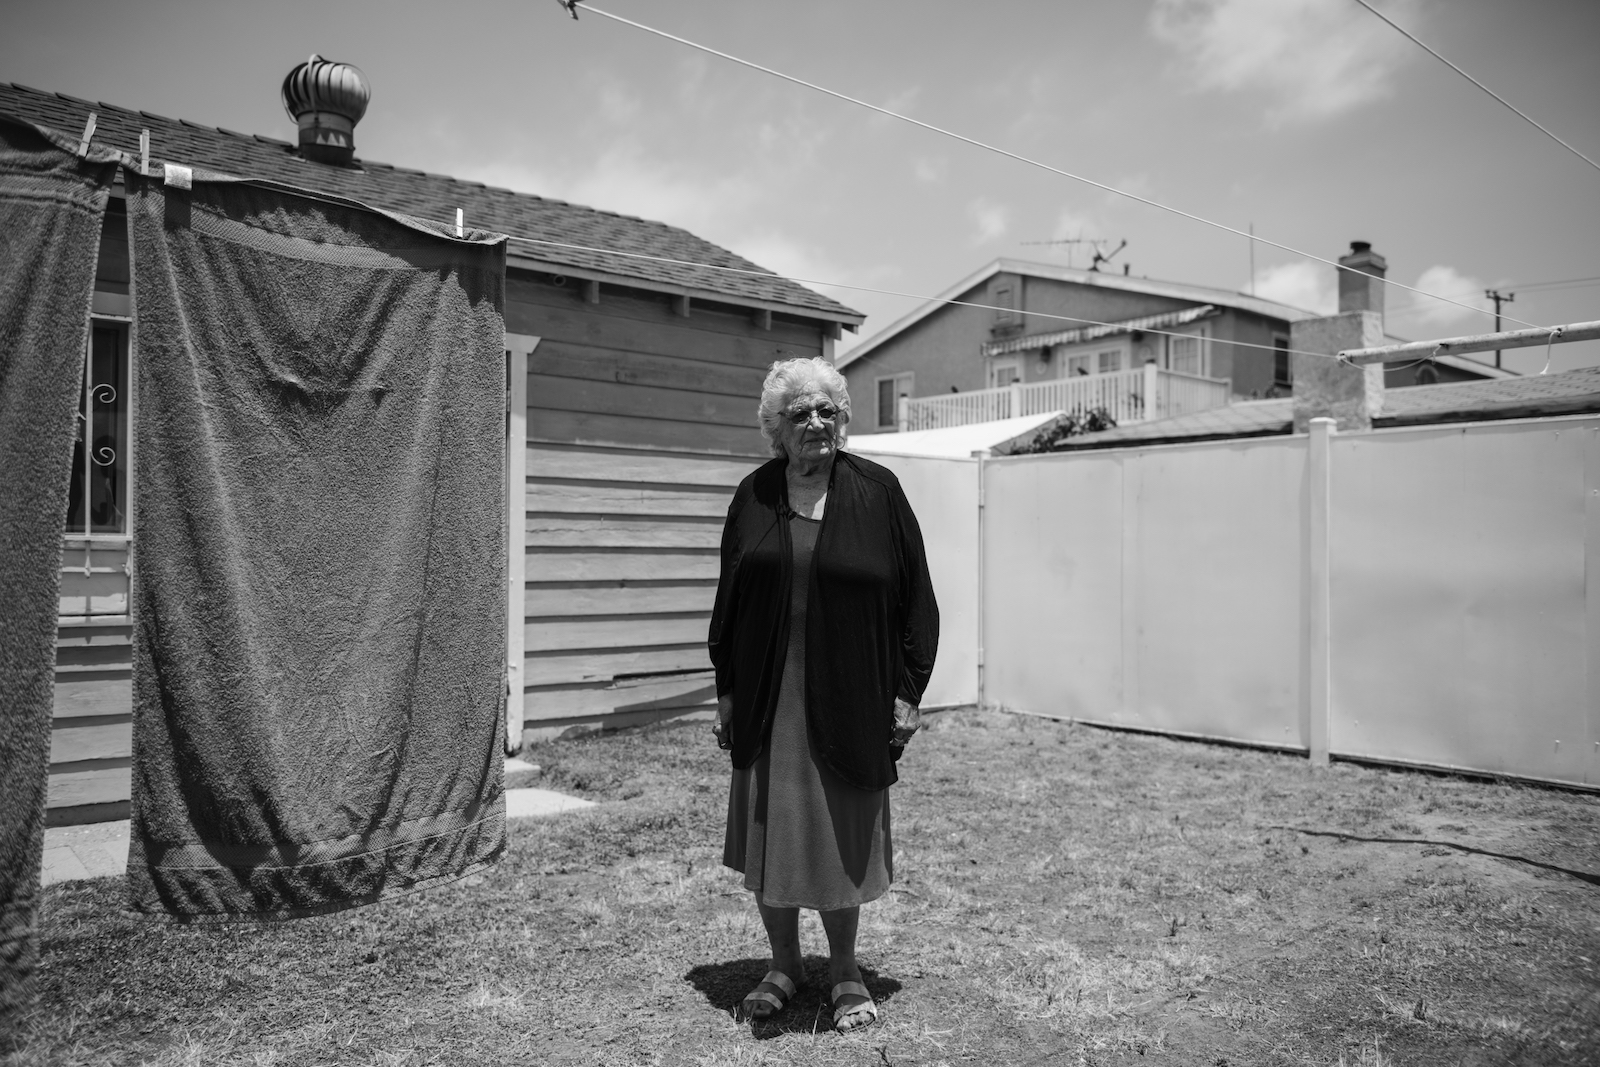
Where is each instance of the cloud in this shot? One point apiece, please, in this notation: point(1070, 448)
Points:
point(1302, 284)
point(993, 220)
point(928, 170)
point(1317, 58)
point(1450, 283)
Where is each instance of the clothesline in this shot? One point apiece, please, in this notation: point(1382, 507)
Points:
point(893, 292)
point(185, 174)
point(1515, 110)
point(574, 6)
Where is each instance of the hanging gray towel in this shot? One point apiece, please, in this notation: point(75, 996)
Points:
point(51, 203)
point(319, 590)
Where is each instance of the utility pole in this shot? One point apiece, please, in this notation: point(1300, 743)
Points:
point(1499, 298)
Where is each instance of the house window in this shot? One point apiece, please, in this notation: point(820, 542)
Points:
point(1281, 374)
point(1186, 355)
point(1079, 365)
point(890, 390)
point(1109, 360)
point(1004, 373)
point(97, 502)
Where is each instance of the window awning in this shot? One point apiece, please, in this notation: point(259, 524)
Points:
point(1163, 321)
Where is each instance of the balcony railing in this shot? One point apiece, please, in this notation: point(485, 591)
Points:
point(1123, 394)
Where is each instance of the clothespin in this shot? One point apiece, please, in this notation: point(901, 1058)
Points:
point(460, 219)
point(88, 135)
point(571, 6)
point(144, 153)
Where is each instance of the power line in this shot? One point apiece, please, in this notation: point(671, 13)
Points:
point(574, 6)
point(1559, 283)
point(1521, 114)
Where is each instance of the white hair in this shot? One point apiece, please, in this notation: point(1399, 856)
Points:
point(789, 378)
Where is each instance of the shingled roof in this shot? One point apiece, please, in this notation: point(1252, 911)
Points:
point(1573, 392)
point(437, 196)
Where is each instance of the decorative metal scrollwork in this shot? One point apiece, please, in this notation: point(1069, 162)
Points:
point(104, 393)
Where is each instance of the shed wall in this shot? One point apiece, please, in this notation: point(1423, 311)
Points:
point(641, 423)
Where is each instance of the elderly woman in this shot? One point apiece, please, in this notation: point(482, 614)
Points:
point(823, 639)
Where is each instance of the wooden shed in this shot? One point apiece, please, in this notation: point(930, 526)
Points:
point(631, 389)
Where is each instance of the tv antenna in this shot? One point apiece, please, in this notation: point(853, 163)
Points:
point(1069, 242)
point(1102, 256)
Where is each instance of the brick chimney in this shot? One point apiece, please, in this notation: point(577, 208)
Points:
point(1361, 287)
point(1324, 387)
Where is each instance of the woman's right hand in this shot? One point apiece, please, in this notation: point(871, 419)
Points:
point(720, 729)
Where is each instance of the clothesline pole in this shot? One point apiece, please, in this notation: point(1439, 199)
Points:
point(1483, 342)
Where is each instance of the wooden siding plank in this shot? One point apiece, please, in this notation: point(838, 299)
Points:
point(639, 401)
point(617, 599)
point(558, 668)
point(569, 359)
point(647, 323)
point(621, 634)
point(102, 786)
point(559, 531)
point(685, 691)
point(622, 565)
point(568, 498)
point(659, 468)
point(71, 744)
point(587, 427)
point(75, 698)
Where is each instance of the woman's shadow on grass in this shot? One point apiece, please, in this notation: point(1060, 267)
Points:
point(725, 986)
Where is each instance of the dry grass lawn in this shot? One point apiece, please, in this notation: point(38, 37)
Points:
point(1066, 895)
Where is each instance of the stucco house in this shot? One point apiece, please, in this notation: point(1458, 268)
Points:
point(1219, 345)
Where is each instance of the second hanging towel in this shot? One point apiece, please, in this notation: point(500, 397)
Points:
point(319, 589)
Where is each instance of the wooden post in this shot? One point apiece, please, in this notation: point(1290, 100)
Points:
point(902, 413)
point(1152, 402)
point(518, 348)
point(1016, 399)
point(1318, 629)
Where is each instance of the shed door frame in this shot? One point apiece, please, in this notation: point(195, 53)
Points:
point(518, 347)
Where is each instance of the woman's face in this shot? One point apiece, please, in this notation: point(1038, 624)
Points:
point(809, 424)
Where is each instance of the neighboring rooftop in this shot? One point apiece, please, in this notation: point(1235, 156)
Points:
point(1199, 294)
point(957, 442)
point(1574, 392)
point(437, 196)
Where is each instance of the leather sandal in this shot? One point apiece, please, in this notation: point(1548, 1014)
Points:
point(761, 996)
point(842, 1013)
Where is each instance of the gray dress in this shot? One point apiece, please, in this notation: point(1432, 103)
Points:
point(804, 837)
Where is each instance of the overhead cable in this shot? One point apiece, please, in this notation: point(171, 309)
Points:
point(1006, 152)
point(1514, 109)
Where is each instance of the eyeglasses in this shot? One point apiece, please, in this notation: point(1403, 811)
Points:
point(825, 413)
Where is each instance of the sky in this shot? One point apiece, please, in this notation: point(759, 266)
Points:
point(1309, 120)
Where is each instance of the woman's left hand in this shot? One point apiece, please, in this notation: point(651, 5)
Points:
point(907, 721)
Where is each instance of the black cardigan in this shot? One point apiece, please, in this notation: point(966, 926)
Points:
point(872, 626)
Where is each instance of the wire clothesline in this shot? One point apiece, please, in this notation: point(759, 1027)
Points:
point(1515, 110)
point(667, 260)
point(574, 6)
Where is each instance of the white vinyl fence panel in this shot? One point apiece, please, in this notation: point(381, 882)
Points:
point(1466, 597)
point(944, 495)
